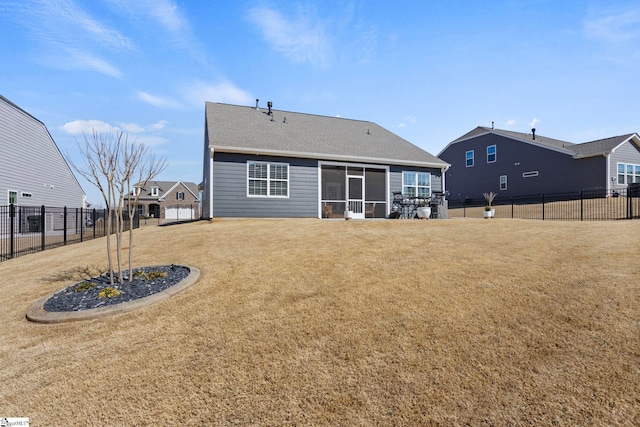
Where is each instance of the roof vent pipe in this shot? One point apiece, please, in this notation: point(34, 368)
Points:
point(257, 100)
point(269, 104)
point(533, 133)
point(491, 125)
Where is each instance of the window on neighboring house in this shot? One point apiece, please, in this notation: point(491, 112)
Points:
point(469, 158)
point(529, 174)
point(13, 197)
point(416, 184)
point(628, 173)
point(180, 195)
point(155, 191)
point(491, 154)
point(503, 182)
point(27, 195)
point(140, 209)
point(267, 179)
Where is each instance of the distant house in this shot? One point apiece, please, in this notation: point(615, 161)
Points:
point(33, 172)
point(271, 163)
point(171, 200)
point(515, 164)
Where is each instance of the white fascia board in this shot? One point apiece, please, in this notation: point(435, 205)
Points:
point(333, 157)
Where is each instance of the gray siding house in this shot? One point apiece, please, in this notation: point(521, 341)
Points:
point(270, 163)
point(33, 172)
point(517, 164)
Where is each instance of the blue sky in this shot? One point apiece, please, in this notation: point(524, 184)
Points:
point(428, 71)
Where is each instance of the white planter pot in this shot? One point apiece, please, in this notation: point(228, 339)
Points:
point(424, 212)
point(348, 214)
point(489, 214)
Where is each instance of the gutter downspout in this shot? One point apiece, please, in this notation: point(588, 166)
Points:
point(608, 172)
point(210, 183)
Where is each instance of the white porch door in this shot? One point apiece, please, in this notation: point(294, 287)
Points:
point(355, 195)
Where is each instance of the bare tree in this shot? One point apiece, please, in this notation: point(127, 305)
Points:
point(110, 162)
point(147, 167)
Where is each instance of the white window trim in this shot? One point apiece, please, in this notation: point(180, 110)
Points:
point(9, 196)
point(505, 182)
point(155, 191)
point(625, 174)
point(416, 185)
point(473, 158)
point(529, 174)
point(268, 180)
point(178, 193)
point(495, 153)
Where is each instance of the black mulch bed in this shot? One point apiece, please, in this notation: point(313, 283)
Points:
point(146, 281)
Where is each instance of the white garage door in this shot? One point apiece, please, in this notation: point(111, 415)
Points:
point(179, 213)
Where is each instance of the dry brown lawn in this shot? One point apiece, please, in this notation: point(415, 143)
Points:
point(311, 322)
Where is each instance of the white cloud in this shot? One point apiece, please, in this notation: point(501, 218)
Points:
point(78, 127)
point(87, 61)
point(157, 101)
point(301, 39)
point(615, 29)
point(132, 128)
point(533, 122)
point(158, 125)
point(511, 122)
point(198, 92)
point(134, 131)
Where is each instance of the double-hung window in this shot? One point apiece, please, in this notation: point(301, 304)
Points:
point(491, 154)
point(503, 182)
point(266, 179)
point(416, 184)
point(469, 158)
point(628, 173)
point(180, 195)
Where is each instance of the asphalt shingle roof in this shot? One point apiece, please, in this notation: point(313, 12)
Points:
point(234, 128)
point(585, 149)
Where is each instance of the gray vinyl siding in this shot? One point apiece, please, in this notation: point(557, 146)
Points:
point(30, 162)
point(625, 153)
point(230, 189)
point(557, 171)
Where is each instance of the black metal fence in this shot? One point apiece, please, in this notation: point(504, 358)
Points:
point(30, 229)
point(596, 205)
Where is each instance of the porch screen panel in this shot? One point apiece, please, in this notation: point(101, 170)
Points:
point(375, 193)
point(334, 191)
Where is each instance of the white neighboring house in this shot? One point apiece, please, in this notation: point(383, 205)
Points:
point(33, 171)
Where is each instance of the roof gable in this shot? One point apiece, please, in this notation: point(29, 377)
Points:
point(528, 138)
point(243, 129)
point(166, 187)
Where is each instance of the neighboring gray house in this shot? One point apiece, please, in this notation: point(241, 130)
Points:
point(174, 200)
point(33, 172)
point(516, 164)
point(270, 163)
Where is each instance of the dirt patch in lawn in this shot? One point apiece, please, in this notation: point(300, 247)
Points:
point(458, 322)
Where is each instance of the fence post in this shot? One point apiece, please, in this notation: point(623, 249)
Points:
point(42, 225)
point(64, 228)
point(512, 202)
point(581, 207)
point(12, 231)
point(464, 207)
point(81, 221)
point(93, 222)
point(543, 206)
